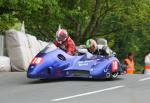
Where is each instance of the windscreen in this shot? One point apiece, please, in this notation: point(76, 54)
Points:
point(49, 48)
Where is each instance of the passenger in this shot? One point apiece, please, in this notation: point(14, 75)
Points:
point(64, 42)
point(95, 49)
point(129, 62)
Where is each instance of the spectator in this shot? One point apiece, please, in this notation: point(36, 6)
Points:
point(129, 62)
point(147, 64)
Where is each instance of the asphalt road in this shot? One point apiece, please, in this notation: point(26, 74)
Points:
point(17, 88)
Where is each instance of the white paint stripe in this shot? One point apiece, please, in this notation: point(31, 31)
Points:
point(144, 79)
point(88, 93)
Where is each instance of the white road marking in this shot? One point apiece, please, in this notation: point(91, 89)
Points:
point(88, 93)
point(144, 79)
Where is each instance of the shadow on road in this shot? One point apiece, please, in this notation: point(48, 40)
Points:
point(72, 79)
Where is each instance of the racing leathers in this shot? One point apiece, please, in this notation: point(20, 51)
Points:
point(68, 46)
point(102, 50)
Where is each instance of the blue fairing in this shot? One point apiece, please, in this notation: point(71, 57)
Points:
point(57, 64)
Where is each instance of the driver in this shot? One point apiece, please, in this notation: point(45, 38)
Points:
point(95, 49)
point(64, 42)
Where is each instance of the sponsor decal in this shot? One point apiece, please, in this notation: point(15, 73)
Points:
point(84, 63)
point(106, 70)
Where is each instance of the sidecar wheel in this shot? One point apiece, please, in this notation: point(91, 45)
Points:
point(114, 75)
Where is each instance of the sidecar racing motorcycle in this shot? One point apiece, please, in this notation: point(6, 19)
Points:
point(52, 62)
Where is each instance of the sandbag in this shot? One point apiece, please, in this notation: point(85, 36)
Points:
point(5, 64)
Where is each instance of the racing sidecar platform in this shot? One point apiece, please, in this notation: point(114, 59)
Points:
point(53, 62)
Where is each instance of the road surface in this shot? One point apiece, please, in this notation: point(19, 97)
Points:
point(15, 87)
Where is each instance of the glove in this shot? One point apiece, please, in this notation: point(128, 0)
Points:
point(105, 50)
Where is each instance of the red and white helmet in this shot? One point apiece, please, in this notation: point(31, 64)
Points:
point(61, 35)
